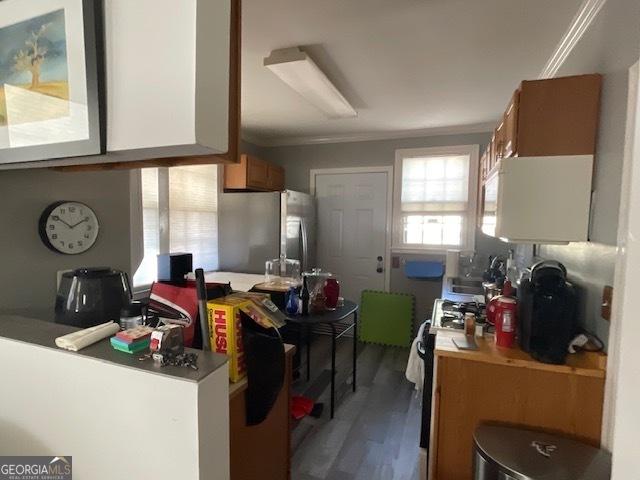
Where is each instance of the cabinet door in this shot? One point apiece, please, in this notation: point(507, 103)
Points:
point(510, 148)
point(492, 152)
point(275, 177)
point(499, 143)
point(559, 116)
point(257, 173)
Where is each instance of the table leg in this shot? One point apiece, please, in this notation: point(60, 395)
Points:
point(355, 347)
point(308, 332)
point(333, 368)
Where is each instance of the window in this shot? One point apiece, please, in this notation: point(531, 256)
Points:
point(179, 214)
point(435, 198)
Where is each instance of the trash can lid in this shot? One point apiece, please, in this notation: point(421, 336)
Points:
point(530, 455)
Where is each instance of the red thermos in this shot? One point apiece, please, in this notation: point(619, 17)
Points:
point(501, 312)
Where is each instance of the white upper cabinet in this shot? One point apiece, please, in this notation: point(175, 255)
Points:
point(167, 72)
point(170, 85)
point(539, 199)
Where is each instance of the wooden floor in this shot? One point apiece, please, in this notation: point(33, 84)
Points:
point(375, 433)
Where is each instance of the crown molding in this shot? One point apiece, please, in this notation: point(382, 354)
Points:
point(261, 141)
point(583, 19)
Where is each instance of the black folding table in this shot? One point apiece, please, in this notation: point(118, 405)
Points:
point(331, 318)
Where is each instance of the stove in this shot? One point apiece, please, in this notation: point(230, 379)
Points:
point(449, 315)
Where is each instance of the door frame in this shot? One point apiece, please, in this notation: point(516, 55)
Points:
point(388, 221)
point(619, 415)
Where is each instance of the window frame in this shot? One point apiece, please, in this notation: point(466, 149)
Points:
point(163, 218)
point(470, 218)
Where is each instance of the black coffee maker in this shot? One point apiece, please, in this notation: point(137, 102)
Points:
point(546, 313)
point(91, 296)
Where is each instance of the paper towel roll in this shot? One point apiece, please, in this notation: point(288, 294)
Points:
point(83, 338)
point(452, 266)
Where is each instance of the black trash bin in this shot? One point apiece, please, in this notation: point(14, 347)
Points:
point(506, 453)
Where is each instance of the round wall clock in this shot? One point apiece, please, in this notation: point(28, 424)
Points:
point(68, 227)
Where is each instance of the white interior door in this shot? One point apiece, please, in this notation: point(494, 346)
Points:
point(352, 229)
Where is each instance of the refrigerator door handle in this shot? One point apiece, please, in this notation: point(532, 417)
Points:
point(305, 247)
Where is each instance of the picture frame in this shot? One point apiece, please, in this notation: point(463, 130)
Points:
point(52, 98)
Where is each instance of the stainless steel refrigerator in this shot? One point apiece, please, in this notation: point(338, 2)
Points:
point(256, 227)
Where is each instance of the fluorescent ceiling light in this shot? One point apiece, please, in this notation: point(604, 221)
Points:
point(300, 72)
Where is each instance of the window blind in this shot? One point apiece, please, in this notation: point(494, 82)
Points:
point(191, 219)
point(193, 213)
point(434, 199)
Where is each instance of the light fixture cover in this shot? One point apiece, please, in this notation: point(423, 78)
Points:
point(300, 72)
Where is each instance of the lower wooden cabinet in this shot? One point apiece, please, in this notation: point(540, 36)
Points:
point(262, 451)
point(508, 387)
point(253, 174)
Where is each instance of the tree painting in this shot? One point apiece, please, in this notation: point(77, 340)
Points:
point(32, 59)
point(33, 56)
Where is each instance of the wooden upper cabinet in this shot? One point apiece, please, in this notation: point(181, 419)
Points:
point(559, 116)
point(275, 177)
point(499, 142)
point(253, 174)
point(547, 118)
point(511, 126)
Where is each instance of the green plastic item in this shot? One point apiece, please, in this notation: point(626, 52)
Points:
point(131, 348)
point(386, 318)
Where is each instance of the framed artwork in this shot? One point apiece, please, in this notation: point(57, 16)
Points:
point(51, 79)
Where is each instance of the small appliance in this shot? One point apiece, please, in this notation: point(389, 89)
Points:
point(546, 312)
point(91, 296)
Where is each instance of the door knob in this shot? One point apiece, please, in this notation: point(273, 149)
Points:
point(380, 268)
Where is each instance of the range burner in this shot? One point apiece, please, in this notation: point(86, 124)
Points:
point(453, 320)
point(450, 315)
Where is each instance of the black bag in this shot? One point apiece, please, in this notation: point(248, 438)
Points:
point(264, 357)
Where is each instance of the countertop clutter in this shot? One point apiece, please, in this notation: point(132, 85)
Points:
point(588, 364)
point(43, 334)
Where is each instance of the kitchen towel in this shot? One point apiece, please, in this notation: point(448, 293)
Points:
point(415, 365)
point(83, 338)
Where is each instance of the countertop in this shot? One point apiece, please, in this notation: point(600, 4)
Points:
point(239, 387)
point(42, 334)
point(585, 363)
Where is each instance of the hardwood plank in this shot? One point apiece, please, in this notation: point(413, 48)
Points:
point(375, 434)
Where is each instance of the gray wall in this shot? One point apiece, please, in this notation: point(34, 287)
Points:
point(28, 272)
point(299, 160)
point(610, 47)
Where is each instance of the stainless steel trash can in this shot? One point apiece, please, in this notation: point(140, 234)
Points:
point(506, 453)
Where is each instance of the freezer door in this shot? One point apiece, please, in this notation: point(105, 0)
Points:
point(298, 227)
point(249, 231)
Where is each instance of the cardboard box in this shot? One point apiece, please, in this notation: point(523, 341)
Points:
point(226, 332)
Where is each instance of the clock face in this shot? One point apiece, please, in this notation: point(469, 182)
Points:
point(69, 227)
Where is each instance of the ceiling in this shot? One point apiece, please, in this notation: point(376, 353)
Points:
point(407, 66)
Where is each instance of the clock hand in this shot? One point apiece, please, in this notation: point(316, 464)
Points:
point(81, 221)
point(61, 220)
